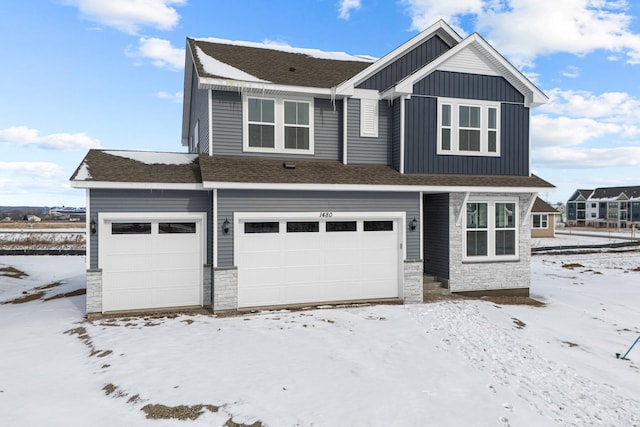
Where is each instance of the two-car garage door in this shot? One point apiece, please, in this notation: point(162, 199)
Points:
point(151, 261)
point(308, 260)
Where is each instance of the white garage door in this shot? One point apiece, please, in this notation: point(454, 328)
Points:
point(311, 260)
point(151, 262)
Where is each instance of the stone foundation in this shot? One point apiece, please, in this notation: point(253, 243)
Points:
point(225, 288)
point(94, 291)
point(413, 286)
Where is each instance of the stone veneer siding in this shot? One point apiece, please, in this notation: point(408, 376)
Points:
point(94, 291)
point(225, 288)
point(207, 281)
point(413, 285)
point(479, 276)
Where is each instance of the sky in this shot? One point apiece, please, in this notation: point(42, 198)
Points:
point(82, 74)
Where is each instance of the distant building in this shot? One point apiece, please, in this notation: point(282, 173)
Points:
point(543, 219)
point(33, 218)
point(610, 207)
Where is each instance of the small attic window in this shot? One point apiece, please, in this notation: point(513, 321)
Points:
point(369, 118)
point(292, 69)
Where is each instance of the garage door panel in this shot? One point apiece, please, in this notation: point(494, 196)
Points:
point(144, 271)
point(323, 266)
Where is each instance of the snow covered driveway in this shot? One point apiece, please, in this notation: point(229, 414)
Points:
point(452, 363)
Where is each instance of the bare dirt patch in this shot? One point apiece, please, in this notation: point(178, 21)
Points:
point(571, 266)
point(12, 272)
point(180, 412)
point(637, 269)
point(570, 344)
point(68, 294)
point(519, 323)
point(43, 224)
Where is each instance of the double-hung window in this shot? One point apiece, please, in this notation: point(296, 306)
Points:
point(468, 127)
point(278, 125)
point(542, 220)
point(491, 232)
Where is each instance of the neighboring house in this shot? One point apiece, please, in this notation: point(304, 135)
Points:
point(317, 177)
point(611, 207)
point(543, 219)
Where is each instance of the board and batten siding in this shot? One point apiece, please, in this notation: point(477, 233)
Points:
point(227, 128)
point(422, 126)
point(230, 201)
point(369, 150)
point(395, 134)
point(102, 200)
point(436, 234)
point(408, 63)
point(199, 112)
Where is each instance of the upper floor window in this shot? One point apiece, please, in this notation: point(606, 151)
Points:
point(468, 127)
point(278, 125)
point(491, 231)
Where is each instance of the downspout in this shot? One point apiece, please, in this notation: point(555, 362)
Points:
point(344, 130)
point(210, 120)
point(215, 228)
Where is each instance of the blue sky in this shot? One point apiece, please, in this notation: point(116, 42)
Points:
point(81, 74)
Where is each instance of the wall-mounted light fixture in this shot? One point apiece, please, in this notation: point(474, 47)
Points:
point(93, 226)
point(414, 224)
point(225, 226)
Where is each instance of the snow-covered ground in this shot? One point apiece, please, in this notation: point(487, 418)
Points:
point(450, 363)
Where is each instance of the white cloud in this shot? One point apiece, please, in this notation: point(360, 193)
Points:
point(618, 107)
point(161, 53)
point(571, 72)
point(564, 131)
point(24, 136)
point(525, 29)
point(130, 15)
point(174, 97)
point(586, 158)
point(346, 6)
point(37, 169)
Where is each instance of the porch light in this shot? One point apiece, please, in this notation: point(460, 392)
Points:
point(93, 226)
point(414, 224)
point(225, 226)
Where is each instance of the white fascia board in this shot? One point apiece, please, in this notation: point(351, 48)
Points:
point(268, 88)
point(440, 28)
point(186, 94)
point(364, 187)
point(136, 185)
point(533, 95)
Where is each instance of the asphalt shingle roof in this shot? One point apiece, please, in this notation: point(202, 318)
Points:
point(541, 206)
point(277, 66)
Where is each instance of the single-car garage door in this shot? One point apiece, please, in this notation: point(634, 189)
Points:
point(309, 260)
point(149, 262)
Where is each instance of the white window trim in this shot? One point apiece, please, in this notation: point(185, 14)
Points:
point(279, 125)
point(491, 231)
point(546, 222)
point(455, 103)
point(195, 138)
point(369, 118)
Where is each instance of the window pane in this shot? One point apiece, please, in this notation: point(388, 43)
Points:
point(177, 227)
point(463, 119)
point(469, 140)
point(505, 215)
point(492, 118)
point(303, 227)
point(476, 215)
point(446, 139)
point(254, 110)
point(261, 227)
point(446, 115)
point(492, 141)
point(131, 228)
point(341, 226)
point(505, 242)
point(303, 113)
point(296, 138)
point(474, 117)
point(476, 243)
point(268, 110)
point(378, 226)
point(290, 113)
point(536, 221)
point(261, 136)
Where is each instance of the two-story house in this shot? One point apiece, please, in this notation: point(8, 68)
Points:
point(317, 177)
